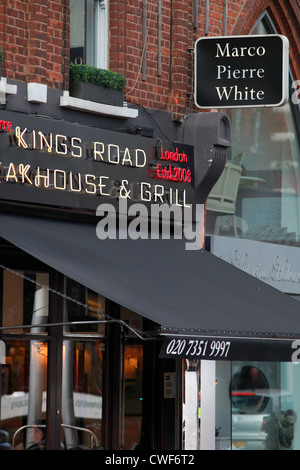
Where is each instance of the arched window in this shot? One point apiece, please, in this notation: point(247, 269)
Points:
point(267, 142)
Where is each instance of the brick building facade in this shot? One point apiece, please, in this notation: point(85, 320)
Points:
point(35, 40)
point(85, 324)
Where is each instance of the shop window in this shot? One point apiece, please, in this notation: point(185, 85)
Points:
point(132, 382)
point(249, 390)
point(25, 301)
point(23, 395)
point(23, 385)
point(265, 408)
point(82, 395)
point(265, 144)
point(26, 296)
point(83, 368)
point(133, 396)
point(89, 32)
point(84, 310)
point(191, 405)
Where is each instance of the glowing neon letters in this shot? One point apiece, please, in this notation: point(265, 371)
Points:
point(59, 144)
point(89, 163)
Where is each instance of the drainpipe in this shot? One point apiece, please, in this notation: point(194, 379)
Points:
point(224, 18)
point(206, 21)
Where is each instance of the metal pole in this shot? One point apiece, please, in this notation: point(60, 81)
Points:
point(224, 18)
point(159, 39)
point(206, 17)
point(36, 376)
point(196, 11)
point(144, 71)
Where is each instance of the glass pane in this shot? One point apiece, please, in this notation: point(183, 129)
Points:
point(265, 406)
point(77, 31)
point(266, 153)
point(90, 32)
point(133, 396)
point(25, 301)
point(268, 199)
point(85, 307)
point(133, 320)
point(82, 395)
point(191, 405)
point(23, 395)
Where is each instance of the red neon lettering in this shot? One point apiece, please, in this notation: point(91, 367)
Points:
point(173, 156)
point(6, 125)
point(170, 173)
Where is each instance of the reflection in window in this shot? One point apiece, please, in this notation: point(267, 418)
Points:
point(84, 308)
point(265, 407)
point(83, 362)
point(89, 32)
point(25, 301)
point(249, 390)
point(82, 395)
point(133, 396)
point(266, 146)
point(268, 199)
point(23, 393)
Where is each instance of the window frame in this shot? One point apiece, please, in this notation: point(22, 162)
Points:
point(95, 33)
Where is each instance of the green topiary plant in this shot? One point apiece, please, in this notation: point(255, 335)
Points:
point(1, 55)
point(93, 75)
point(280, 429)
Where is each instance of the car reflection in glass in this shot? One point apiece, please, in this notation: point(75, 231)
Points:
point(262, 418)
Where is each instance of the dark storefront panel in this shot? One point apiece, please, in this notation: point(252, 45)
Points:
point(228, 348)
point(61, 164)
point(159, 279)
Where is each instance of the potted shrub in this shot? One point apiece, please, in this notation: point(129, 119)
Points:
point(93, 84)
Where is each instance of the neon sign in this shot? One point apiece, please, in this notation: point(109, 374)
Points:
point(173, 156)
point(6, 126)
point(47, 162)
point(170, 173)
point(59, 144)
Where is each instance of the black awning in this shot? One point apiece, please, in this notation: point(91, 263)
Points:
point(180, 290)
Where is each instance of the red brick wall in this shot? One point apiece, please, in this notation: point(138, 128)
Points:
point(166, 90)
point(286, 18)
point(173, 89)
point(35, 38)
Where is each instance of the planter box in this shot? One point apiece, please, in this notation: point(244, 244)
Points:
point(99, 94)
